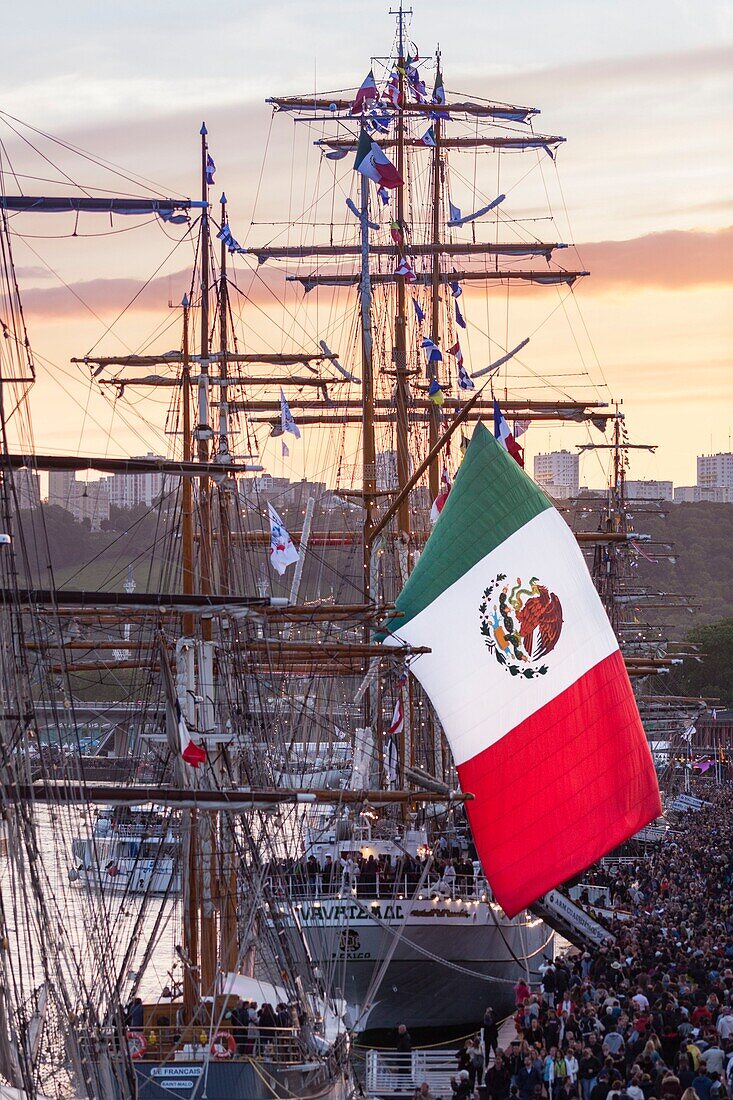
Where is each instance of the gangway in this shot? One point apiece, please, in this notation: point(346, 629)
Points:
point(683, 803)
point(571, 920)
point(389, 1073)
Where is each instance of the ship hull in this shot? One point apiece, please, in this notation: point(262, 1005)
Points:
point(445, 960)
point(238, 1080)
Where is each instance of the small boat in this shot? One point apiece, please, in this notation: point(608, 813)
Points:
point(134, 849)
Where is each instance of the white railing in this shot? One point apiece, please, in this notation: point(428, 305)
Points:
point(389, 1073)
point(338, 885)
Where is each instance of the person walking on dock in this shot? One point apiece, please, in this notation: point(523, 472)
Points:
point(490, 1033)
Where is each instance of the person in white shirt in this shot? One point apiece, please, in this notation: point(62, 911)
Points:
point(725, 1025)
point(447, 885)
point(713, 1059)
point(571, 1065)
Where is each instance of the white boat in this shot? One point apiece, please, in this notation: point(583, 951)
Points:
point(412, 945)
point(132, 851)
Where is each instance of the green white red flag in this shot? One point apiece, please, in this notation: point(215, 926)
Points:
point(527, 679)
point(376, 165)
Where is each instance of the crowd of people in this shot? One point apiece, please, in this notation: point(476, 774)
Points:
point(648, 1016)
point(255, 1026)
point(449, 869)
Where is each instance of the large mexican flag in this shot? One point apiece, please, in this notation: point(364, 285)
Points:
point(527, 679)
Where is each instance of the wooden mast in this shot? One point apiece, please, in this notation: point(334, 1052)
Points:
point(369, 451)
point(204, 833)
point(223, 862)
point(400, 351)
point(402, 384)
point(187, 574)
point(440, 753)
point(203, 430)
point(223, 452)
point(191, 994)
point(434, 411)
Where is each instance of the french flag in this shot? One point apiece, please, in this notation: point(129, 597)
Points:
point(398, 719)
point(367, 95)
point(503, 433)
point(439, 502)
point(192, 753)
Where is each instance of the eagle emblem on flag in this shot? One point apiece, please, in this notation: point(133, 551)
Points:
point(521, 624)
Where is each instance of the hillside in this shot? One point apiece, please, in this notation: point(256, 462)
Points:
point(702, 539)
point(701, 536)
point(83, 559)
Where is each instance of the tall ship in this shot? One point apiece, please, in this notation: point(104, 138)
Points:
point(277, 844)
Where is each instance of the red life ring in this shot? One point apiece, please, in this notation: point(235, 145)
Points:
point(223, 1046)
point(136, 1044)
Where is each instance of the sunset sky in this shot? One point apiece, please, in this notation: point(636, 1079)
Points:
point(642, 91)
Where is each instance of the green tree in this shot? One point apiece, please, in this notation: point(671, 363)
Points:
point(712, 674)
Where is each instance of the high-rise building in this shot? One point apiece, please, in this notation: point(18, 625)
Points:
point(27, 485)
point(693, 494)
point(649, 490)
point(559, 473)
point(386, 470)
point(61, 488)
point(131, 490)
point(86, 500)
point(715, 471)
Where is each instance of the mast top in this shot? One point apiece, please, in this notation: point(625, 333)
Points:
point(203, 131)
point(401, 13)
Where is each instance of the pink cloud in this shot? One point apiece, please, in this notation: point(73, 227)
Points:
point(102, 296)
point(664, 261)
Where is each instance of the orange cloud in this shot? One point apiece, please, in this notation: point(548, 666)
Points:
point(664, 261)
point(103, 296)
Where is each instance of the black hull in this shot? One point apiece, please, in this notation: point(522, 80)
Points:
point(239, 1080)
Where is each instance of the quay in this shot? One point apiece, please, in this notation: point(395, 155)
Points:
point(647, 1015)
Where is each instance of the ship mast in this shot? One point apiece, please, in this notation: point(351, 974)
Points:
point(227, 877)
point(187, 574)
point(369, 450)
point(190, 878)
point(206, 832)
point(203, 431)
point(400, 349)
point(223, 452)
point(434, 412)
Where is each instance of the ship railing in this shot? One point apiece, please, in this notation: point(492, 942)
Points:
point(283, 1045)
point(322, 887)
point(136, 831)
point(132, 832)
point(389, 1073)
